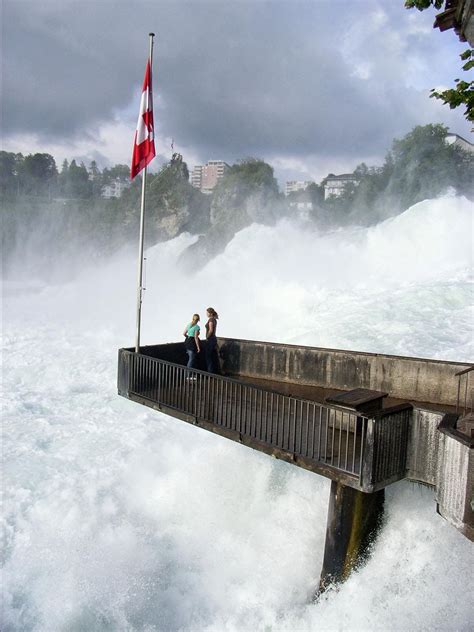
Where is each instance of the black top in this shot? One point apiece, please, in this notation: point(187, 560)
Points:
point(214, 321)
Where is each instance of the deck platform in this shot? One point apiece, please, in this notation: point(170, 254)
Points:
point(362, 420)
point(291, 421)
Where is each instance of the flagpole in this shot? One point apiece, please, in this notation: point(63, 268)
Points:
point(142, 233)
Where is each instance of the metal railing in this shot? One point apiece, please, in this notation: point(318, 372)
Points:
point(465, 399)
point(390, 441)
point(327, 435)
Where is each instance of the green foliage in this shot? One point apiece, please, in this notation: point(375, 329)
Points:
point(419, 166)
point(463, 93)
point(424, 165)
point(245, 187)
point(254, 175)
point(37, 173)
point(8, 173)
point(117, 172)
point(247, 192)
point(421, 5)
point(315, 192)
point(174, 204)
point(76, 183)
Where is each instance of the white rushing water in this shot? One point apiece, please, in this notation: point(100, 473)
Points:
point(118, 518)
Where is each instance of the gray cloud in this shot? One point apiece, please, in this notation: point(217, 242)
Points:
point(232, 78)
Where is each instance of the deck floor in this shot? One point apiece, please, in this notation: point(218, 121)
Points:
point(318, 394)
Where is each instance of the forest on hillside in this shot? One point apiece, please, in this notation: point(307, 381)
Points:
point(54, 213)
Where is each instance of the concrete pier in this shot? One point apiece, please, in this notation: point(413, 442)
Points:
point(354, 519)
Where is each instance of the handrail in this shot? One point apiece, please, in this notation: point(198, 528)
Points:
point(464, 374)
point(258, 388)
point(362, 450)
point(448, 426)
point(330, 435)
point(468, 370)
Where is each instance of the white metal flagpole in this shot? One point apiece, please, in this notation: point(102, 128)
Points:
point(142, 230)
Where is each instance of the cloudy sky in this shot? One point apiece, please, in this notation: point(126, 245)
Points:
point(312, 87)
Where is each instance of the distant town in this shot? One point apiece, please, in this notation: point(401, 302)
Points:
point(205, 177)
point(97, 208)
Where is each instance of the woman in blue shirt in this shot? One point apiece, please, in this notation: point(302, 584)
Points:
point(191, 332)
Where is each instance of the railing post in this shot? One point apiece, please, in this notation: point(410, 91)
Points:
point(124, 374)
point(367, 454)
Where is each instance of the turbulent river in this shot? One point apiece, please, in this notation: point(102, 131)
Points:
point(116, 517)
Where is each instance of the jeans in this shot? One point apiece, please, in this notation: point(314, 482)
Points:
point(211, 354)
point(191, 358)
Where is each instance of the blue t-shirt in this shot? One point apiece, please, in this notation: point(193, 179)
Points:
point(191, 330)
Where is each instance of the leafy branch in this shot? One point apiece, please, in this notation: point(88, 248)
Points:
point(463, 93)
point(421, 5)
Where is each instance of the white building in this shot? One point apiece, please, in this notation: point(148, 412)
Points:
point(335, 185)
point(459, 141)
point(114, 189)
point(196, 176)
point(296, 185)
point(205, 177)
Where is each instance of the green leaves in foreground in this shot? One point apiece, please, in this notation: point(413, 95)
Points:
point(463, 93)
point(421, 5)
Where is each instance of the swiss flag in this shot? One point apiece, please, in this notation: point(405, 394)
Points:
point(144, 145)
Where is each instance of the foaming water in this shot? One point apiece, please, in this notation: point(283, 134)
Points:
point(119, 518)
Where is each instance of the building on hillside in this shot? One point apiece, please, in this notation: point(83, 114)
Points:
point(196, 176)
point(297, 185)
point(302, 208)
point(205, 177)
point(114, 189)
point(459, 141)
point(335, 185)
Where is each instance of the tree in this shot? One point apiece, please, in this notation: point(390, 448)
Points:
point(8, 173)
point(246, 193)
point(94, 171)
point(95, 178)
point(173, 204)
point(247, 190)
point(419, 166)
point(316, 193)
point(424, 166)
point(120, 172)
point(77, 183)
point(38, 174)
point(463, 93)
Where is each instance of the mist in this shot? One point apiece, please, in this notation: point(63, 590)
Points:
point(119, 518)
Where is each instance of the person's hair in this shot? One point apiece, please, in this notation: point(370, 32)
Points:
point(212, 312)
point(196, 319)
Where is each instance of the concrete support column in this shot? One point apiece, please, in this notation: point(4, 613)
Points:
point(353, 521)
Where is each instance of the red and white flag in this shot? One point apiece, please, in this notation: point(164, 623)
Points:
point(144, 145)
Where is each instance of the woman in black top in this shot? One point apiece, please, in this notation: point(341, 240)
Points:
point(211, 340)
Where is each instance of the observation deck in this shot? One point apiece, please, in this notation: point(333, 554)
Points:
point(364, 420)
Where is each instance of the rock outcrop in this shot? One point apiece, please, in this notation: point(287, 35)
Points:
point(247, 193)
point(173, 205)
